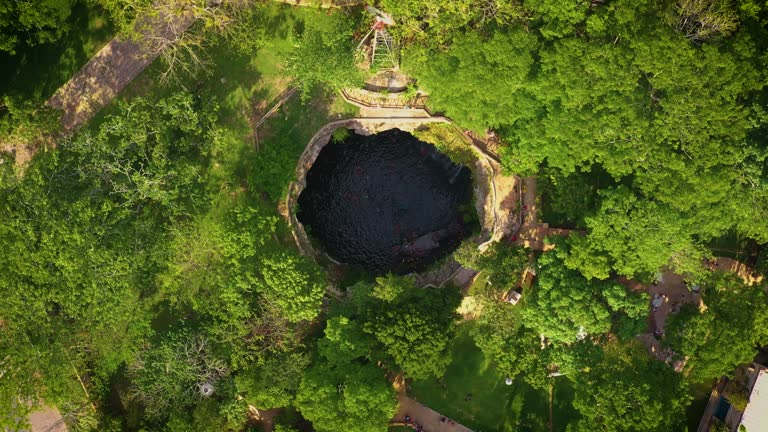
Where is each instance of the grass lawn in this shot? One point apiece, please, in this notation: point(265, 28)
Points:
point(41, 69)
point(494, 405)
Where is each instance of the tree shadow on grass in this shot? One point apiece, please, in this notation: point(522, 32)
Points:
point(493, 406)
point(281, 20)
point(39, 70)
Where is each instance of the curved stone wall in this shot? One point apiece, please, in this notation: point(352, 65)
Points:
point(483, 183)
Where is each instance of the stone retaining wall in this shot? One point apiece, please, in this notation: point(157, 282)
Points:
point(483, 187)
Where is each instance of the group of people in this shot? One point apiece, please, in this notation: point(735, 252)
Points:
point(412, 423)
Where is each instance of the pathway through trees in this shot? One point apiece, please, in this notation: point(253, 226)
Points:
point(114, 67)
point(426, 417)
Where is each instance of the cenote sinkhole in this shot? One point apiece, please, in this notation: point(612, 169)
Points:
point(386, 202)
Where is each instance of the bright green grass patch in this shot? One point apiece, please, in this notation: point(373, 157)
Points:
point(448, 139)
point(238, 80)
point(494, 406)
point(39, 70)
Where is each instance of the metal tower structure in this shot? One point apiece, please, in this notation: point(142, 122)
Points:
point(384, 51)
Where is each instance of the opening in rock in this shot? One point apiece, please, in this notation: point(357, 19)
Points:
point(386, 202)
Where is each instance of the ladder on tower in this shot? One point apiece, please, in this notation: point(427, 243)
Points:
point(384, 50)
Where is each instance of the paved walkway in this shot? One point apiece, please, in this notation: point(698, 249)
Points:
point(113, 68)
point(390, 106)
point(428, 418)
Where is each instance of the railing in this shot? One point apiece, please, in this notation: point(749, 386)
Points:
point(370, 100)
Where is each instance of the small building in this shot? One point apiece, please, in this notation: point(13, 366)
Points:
point(754, 418)
point(514, 295)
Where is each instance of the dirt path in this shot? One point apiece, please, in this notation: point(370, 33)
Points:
point(747, 274)
point(670, 293)
point(47, 419)
point(508, 203)
point(113, 68)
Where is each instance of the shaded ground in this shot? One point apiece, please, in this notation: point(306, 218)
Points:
point(439, 275)
point(34, 73)
point(39, 70)
point(494, 406)
point(670, 294)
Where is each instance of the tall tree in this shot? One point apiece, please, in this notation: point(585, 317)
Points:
point(634, 237)
point(415, 330)
point(172, 375)
point(349, 397)
point(294, 284)
point(325, 56)
point(726, 333)
point(437, 24)
point(564, 306)
point(480, 82)
point(558, 18)
point(32, 23)
point(629, 391)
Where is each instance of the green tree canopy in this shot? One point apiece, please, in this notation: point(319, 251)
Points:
point(502, 265)
point(344, 341)
point(326, 55)
point(415, 330)
point(438, 23)
point(348, 397)
point(564, 306)
point(725, 334)
point(170, 376)
point(632, 236)
point(501, 335)
point(480, 82)
point(32, 23)
point(629, 391)
point(274, 382)
point(294, 284)
point(558, 18)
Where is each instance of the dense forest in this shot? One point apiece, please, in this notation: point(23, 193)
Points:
point(150, 281)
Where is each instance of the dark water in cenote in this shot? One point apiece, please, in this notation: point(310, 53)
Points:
point(386, 202)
